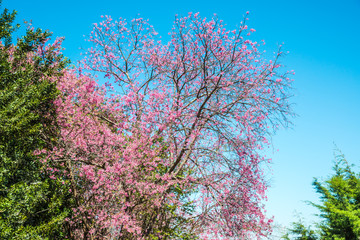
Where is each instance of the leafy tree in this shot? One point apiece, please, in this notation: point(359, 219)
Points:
point(299, 231)
point(6, 26)
point(340, 206)
point(207, 94)
point(32, 205)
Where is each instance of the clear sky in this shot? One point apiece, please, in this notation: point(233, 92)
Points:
point(323, 38)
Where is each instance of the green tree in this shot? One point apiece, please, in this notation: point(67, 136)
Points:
point(298, 231)
point(340, 203)
point(339, 207)
point(32, 205)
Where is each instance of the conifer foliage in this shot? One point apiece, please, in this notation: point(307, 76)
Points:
point(339, 207)
point(32, 206)
point(340, 202)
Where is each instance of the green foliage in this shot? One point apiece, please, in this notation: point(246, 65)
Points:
point(298, 231)
point(340, 206)
point(6, 25)
point(32, 206)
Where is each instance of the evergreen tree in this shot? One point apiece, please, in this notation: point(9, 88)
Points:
point(339, 208)
point(299, 231)
point(32, 205)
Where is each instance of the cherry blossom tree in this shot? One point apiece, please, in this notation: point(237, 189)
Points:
point(168, 147)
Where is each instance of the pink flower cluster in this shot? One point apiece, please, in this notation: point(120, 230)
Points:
point(177, 125)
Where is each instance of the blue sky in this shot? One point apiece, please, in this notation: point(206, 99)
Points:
point(323, 40)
